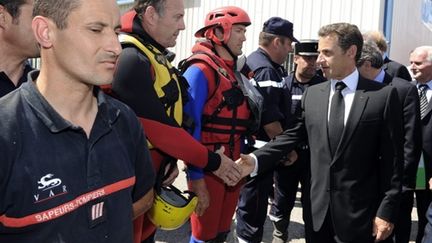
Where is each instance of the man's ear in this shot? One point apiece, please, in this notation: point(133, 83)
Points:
point(218, 32)
point(352, 51)
point(3, 13)
point(42, 29)
point(367, 64)
point(150, 15)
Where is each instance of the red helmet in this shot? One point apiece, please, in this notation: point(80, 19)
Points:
point(223, 17)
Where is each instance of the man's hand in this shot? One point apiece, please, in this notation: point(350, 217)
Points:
point(290, 158)
point(200, 189)
point(172, 176)
point(228, 171)
point(381, 229)
point(143, 204)
point(430, 184)
point(246, 163)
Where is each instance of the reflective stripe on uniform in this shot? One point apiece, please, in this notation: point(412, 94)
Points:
point(268, 83)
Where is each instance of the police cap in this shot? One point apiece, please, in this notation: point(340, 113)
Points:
point(279, 26)
point(306, 48)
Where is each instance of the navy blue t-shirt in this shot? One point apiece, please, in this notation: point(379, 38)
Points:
point(57, 185)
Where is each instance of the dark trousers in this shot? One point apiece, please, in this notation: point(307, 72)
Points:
point(402, 228)
point(326, 234)
point(427, 238)
point(252, 206)
point(423, 199)
point(286, 185)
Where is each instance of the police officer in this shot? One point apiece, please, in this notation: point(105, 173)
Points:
point(286, 180)
point(275, 43)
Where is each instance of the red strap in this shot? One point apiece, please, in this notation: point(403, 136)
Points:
point(67, 207)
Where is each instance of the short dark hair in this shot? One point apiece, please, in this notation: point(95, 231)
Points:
point(348, 35)
point(13, 7)
point(266, 38)
point(140, 6)
point(57, 10)
point(371, 53)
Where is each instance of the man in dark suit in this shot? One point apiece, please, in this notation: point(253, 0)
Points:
point(354, 128)
point(421, 67)
point(370, 67)
point(391, 67)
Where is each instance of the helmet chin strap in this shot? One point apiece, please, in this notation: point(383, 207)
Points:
point(224, 45)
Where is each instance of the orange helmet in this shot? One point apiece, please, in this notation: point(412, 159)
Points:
point(223, 17)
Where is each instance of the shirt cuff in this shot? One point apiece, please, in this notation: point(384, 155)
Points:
point(255, 171)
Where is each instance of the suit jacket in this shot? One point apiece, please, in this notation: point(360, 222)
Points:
point(426, 129)
point(409, 99)
point(396, 69)
point(363, 179)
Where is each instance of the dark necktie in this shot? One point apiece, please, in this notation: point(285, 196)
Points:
point(336, 119)
point(423, 99)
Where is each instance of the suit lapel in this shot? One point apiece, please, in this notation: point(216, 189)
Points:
point(323, 101)
point(429, 107)
point(357, 108)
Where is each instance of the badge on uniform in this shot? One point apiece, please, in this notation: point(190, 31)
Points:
point(97, 212)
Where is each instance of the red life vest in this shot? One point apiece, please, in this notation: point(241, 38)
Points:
point(226, 114)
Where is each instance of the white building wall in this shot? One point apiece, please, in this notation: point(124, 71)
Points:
point(408, 30)
point(307, 15)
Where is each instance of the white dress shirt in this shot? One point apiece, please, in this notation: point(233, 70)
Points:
point(428, 91)
point(351, 82)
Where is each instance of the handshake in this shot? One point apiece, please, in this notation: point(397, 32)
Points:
point(232, 172)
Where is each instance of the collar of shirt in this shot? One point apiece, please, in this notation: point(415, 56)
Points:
point(276, 66)
point(351, 82)
point(49, 116)
point(428, 91)
point(429, 84)
point(380, 77)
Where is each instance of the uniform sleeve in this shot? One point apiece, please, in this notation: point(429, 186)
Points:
point(198, 90)
point(270, 86)
point(144, 171)
point(8, 150)
point(133, 84)
point(5, 168)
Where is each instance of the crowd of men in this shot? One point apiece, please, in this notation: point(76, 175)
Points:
point(89, 143)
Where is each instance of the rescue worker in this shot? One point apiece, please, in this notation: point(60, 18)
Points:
point(222, 115)
point(147, 82)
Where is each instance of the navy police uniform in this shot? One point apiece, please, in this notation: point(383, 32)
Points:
point(57, 184)
point(287, 180)
point(252, 207)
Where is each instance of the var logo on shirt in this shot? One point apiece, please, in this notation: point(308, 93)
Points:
point(49, 187)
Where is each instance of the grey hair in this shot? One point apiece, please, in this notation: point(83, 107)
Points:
point(140, 6)
point(371, 53)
